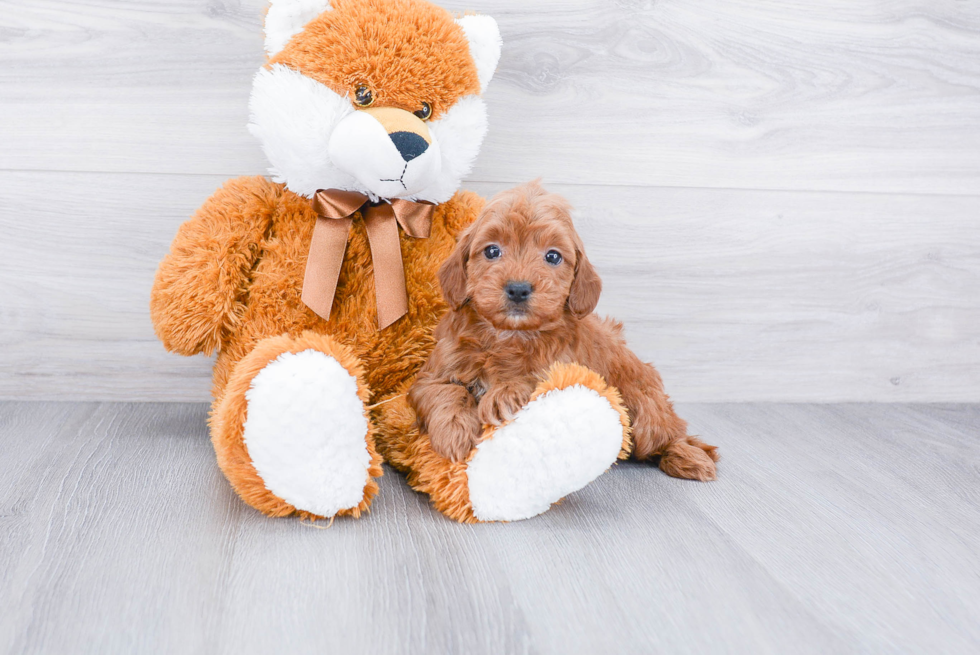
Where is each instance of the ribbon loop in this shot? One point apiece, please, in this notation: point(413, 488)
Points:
point(335, 203)
point(335, 210)
point(414, 217)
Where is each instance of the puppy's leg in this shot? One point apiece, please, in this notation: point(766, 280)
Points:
point(448, 413)
point(502, 402)
point(657, 429)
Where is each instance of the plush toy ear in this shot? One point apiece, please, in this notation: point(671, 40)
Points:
point(286, 18)
point(586, 287)
point(452, 273)
point(485, 44)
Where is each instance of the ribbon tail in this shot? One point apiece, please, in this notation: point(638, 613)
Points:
point(386, 257)
point(323, 264)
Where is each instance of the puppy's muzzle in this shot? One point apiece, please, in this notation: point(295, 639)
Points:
point(518, 292)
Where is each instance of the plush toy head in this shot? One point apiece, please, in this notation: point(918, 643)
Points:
point(375, 96)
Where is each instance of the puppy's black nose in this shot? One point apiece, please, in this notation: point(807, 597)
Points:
point(518, 291)
point(410, 145)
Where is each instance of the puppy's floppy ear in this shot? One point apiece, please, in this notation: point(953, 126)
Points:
point(586, 286)
point(452, 273)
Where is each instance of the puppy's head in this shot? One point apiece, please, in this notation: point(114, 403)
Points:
point(521, 265)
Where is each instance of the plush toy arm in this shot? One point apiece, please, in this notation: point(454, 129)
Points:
point(462, 210)
point(200, 282)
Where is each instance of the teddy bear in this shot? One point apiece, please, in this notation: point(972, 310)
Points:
point(318, 288)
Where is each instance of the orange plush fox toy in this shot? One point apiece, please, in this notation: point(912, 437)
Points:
point(319, 289)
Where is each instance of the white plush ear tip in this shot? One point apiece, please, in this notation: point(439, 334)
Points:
point(286, 18)
point(485, 44)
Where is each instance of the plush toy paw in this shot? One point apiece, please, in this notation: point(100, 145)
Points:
point(572, 430)
point(291, 431)
point(556, 444)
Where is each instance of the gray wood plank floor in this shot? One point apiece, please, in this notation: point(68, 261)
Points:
point(833, 529)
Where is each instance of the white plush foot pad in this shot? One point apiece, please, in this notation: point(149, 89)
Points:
point(557, 444)
point(306, 432)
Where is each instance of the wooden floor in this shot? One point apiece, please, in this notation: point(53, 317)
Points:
point(833, 529)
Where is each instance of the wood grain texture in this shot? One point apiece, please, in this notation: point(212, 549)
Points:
point(843, 529)
point(735, 295)
point(782, 196)
point(836, 95)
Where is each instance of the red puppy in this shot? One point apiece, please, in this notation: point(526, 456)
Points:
point(522, 293)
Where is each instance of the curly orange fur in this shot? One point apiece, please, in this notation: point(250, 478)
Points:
point(492, 351)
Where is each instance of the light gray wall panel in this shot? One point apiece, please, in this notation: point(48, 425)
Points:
point(736, 295)
point(782, 196)
point(836, 95)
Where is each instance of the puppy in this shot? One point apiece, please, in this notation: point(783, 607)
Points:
point(521, 294)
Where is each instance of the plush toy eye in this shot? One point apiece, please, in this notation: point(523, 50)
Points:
point(425, 112)
point(553, 257)
point(491, 252)
point(363, 97)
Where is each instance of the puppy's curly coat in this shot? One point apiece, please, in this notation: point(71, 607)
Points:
point(522, 295)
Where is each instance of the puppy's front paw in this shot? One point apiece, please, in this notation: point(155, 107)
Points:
point(454, 435)
point(501, 403)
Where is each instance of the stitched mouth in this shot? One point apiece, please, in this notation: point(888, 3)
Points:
point(401, 178)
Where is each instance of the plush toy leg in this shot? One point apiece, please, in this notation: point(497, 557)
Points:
point(291, 431)
point(572, 430)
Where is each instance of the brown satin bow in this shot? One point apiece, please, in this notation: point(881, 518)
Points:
point(335, 211)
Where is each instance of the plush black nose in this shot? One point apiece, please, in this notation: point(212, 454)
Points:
point(410, 145)
point(518, 291)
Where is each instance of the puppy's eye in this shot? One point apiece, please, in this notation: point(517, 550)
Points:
point(553, 257)
point(425, 112)
point(491, 251)
point(363, 97)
